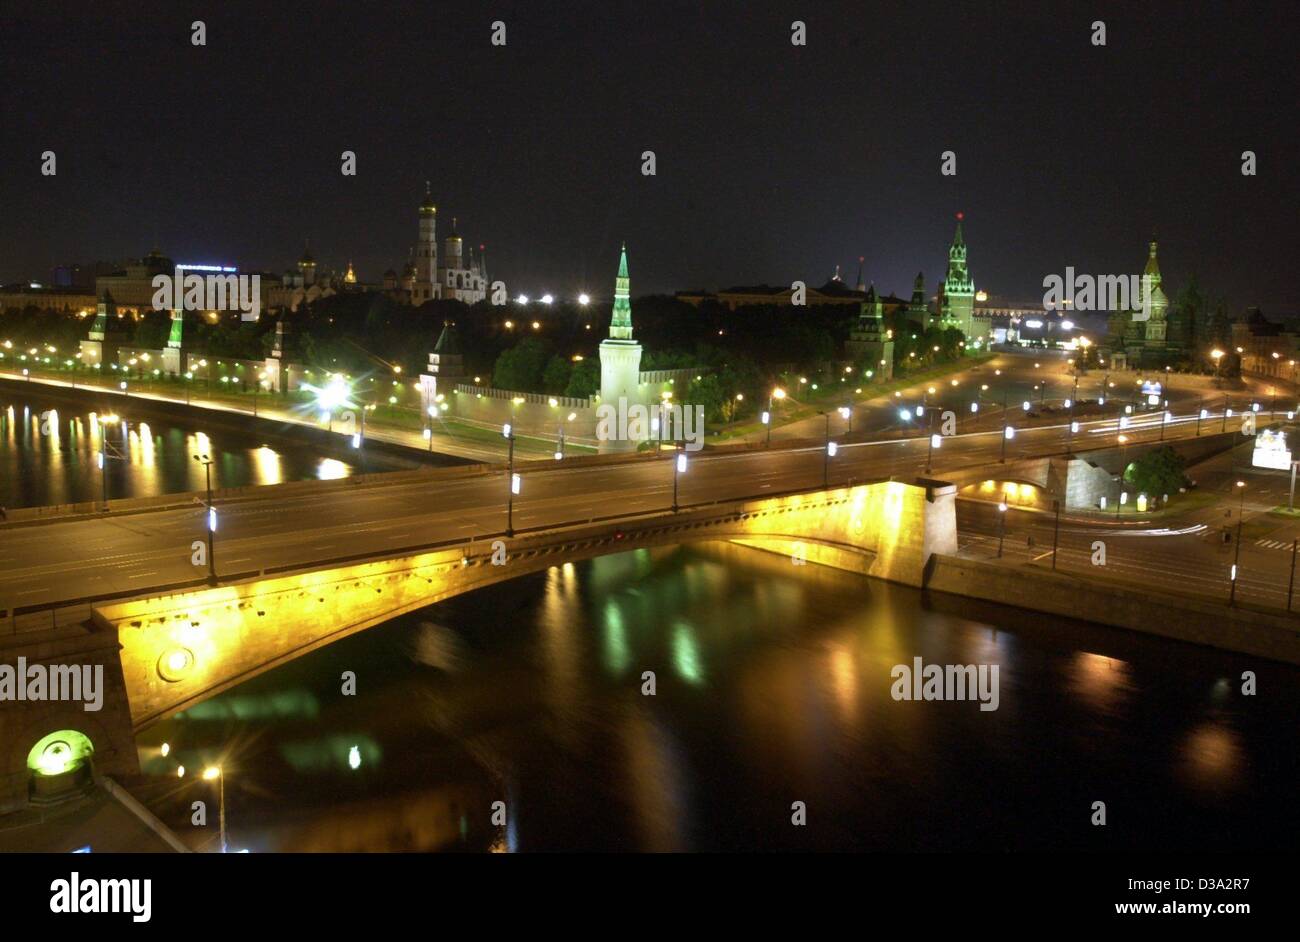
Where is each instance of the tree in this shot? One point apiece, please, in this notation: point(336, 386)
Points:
point(1157, 472)
point(555, 378)
point(521, 367)
point(153, 330)
point(707, 391)
point(584, 380)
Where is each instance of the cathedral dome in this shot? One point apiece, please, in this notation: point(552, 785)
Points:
point(427, 205)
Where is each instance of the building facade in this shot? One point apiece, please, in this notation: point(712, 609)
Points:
point(428, 276)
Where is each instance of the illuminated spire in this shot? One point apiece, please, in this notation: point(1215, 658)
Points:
point(620, 326)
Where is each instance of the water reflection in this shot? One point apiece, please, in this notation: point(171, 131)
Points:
point(772, 685)
point(50, 453)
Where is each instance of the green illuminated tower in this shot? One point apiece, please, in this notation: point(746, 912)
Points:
point(620, 355)
point(173, 359)
point(620, 326)
point(958, 307)
point(99, 349)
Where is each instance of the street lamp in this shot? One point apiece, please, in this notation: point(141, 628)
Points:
point(1002, 525)
point(679, 467)
point(209, 774)
point(827, 452)
point(104, 420)
point(335, 394)
point(935, 442)
point(512, 480)
point(212, 515)
point(1236, 560)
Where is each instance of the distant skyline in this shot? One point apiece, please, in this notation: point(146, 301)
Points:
point(774, 162)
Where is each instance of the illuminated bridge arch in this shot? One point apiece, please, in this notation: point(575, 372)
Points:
point(178, 650)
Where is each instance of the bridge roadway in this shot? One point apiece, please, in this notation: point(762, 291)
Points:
point(53, 563)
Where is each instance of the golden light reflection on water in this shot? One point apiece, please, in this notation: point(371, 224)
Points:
point(1212, 756)
point(267, 464)
point(562, 655)
point(656, 779)
point(1102, 681)
point(140, 454)
point(844, 679)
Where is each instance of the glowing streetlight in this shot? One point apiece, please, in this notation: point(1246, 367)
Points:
point(215, 773)
point(212, 516)
point(1236, 561)
point(679, 468)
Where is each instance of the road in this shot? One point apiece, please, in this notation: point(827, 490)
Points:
point(1042, 378)
point(56, 562)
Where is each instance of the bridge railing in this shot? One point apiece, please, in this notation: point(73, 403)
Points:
point(14, 620)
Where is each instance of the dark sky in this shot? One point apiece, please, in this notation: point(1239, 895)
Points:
point(774, 162)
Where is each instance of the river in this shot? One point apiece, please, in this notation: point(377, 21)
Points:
point(772, 687)
point(50, 448)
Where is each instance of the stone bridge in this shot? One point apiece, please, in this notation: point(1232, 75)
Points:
point(164, 653)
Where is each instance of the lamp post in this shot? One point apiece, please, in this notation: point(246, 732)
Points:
point(1006, 429)
point(934, 443)
point(1225, 415)
point(212, 516)
point(104, 422)
point(209, 774)
point(679, 467)
point(1236, 559)
point(778, 395)
point(512, 482)
point(1002, 525)
point(559, 443)
point(1290, 587)
point(1056, 532)
point(826, 453)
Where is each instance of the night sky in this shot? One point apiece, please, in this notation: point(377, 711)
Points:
point(774, 162)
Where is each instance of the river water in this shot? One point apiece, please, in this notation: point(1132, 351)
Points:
point(50, 448)
point(772, 686)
